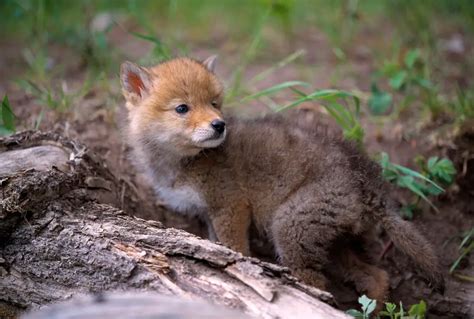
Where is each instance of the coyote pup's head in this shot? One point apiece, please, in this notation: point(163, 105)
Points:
point(174, 105)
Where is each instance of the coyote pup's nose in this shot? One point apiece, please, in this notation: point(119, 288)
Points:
point(218, 125)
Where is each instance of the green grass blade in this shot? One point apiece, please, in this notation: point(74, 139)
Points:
point(300, 93)
point(7, 116)
point(464, 253)
point(274, 89)
point(357, 104)
point(320, 94)
point(329, 94)
point(466, 238)
point(345, 113)
point(160, 47)
point(38, 120)
point(148, 38)
point(289, 59)
point(338, 112)
point(293, 104)
point(413, 173)
point(415, 190)
point(464, 277)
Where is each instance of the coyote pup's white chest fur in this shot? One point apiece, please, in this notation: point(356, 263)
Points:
point(183, 199)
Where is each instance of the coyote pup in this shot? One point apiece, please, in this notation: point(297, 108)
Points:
point(300, 188)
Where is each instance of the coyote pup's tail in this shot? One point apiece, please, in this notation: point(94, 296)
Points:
point(408, 239)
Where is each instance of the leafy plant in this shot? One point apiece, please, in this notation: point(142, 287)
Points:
point(410, 77)
point(441, 171)
point(423, 184)
point(416, 311)
point(367, 306)
point(7, 118)
point(379, 101)
point(391, 311)
point(465, 248)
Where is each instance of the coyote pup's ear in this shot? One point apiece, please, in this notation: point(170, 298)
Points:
point(136, 82)
point(210, 63)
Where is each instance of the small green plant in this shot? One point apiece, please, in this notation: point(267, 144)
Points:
point(409, 75)
point(367, 307)
point(336, 102)
point(422, 184)
point(463, 105)
point(465, 248)
point(391, 310)
point(440, 170)
point(379, 101)
point(283, 10)
point(410, 78)
point(58, 100)
point(7, 118)
point(39, 64)
point(95, 50)
point(416, 311)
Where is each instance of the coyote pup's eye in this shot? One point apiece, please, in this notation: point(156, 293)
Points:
point(214, 103)
point(182, 108)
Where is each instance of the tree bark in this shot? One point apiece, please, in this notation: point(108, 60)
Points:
point(63, 232)
point(134, 305)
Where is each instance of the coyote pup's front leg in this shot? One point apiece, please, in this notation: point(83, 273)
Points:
point(231, 225)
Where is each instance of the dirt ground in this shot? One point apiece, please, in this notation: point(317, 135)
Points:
point(97, 119)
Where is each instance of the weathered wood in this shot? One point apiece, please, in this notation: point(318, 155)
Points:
point(61, 236)
point(134, 305)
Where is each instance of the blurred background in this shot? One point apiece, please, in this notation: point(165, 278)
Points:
point(403, 57)
point(394, 75)
point(348, 44)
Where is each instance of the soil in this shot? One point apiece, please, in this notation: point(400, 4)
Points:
point(96, 119)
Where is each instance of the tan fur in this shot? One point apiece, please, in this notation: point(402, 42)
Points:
point(368, 279)
point(301, 188)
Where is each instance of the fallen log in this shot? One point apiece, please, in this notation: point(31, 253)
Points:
point(64, 232)
point(133, 305)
